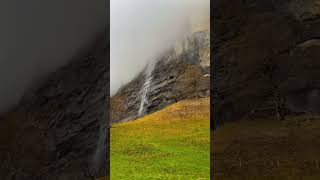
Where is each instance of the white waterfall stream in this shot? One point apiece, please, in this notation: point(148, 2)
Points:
point(145, 88)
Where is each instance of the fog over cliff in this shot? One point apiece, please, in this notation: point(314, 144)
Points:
point(142, 29)
point(38, 36)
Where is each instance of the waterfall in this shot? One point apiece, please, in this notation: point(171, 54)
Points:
point(145, 88)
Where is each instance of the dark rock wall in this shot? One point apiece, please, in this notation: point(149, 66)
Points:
point(62, 124)
point(260, 47)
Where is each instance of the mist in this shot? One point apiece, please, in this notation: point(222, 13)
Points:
point(39, 36)
point(142, 29)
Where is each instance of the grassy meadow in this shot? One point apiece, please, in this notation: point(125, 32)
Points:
point(173, 143)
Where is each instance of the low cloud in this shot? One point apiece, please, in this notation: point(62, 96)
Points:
point(141, 29)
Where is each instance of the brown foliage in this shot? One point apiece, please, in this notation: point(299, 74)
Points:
point(189, 80)
point(118, 107)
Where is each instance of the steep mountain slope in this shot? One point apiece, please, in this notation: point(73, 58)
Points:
point(181, 72)
point(265, 73)
point(265, 58)
point(59, 129)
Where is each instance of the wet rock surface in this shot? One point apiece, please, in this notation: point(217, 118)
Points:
point(181, 72)
point(262, 49)
point(59, 130)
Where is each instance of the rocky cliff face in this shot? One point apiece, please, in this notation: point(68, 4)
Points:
point(59, 130)
point(181, 72)
point(265, 53)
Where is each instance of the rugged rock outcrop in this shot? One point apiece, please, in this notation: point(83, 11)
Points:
point(181, 72)
point(265, 55)
point(60, 128)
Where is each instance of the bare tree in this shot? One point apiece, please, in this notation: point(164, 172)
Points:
point(268, 70)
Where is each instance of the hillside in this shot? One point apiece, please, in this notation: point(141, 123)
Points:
point(265, 68)
point(171, 143)
point(179, 73)
point(267, 149)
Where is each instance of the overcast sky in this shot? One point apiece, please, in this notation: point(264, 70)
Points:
point(38, 36)
point(141, 29)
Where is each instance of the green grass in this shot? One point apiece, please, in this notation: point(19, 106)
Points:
point(173, 143)
point(268, 149)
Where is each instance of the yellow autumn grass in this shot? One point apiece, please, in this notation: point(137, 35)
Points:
point(171, 143)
